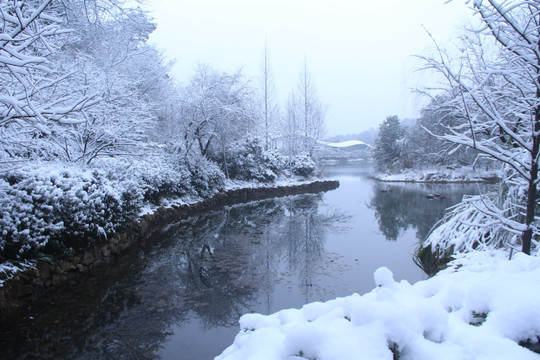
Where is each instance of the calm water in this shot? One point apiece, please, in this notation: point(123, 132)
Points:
point(181, 297)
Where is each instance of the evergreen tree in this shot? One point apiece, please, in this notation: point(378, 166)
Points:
point(387, 149)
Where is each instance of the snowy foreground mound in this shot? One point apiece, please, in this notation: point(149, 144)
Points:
point(479, 308)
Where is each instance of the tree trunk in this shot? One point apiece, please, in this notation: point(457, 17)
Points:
point(531, 192)
point(533, 177)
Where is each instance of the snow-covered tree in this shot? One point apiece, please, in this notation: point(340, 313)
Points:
point(216, 109)
point(494, 86)
point(75, 76)
point(33, 100)
point(387, 149)
point(113, 61)
point(422, 150)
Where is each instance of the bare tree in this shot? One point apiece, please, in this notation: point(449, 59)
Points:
point(270, 110)
point(290, 129)
point(310, 110)
point(495, 88)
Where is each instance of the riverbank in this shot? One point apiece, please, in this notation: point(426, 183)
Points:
point(482, 306)
point(37, 279)
point(442, 175)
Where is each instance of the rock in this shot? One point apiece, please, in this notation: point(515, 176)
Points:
point(88, 258)
point(58, 279)
point(67, 266)
point(82, 268)
point(97, 264)
point(24, 290)
point(44, 270)
point(115, 249)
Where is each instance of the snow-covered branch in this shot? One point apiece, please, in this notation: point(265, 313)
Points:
point(495, 87)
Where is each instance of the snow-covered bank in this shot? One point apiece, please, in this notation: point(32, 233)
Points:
point(229, 185)
point(481, 307)
point(19, 284)
point(442, 175)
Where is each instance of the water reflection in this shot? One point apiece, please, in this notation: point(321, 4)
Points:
point(208, 269)
point(180, 296)
point(399, 207)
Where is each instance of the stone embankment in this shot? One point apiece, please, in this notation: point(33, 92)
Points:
point(49, 274)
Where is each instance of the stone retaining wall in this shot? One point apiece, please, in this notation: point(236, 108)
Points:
point(33, 283)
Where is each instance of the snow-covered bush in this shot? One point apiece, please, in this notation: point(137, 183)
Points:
point(156, 177)
point(54, 209)
point(167, 182)
point(206, 177)
point(302, 165)
point(247, 160)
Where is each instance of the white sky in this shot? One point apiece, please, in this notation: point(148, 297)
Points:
point(359, 53)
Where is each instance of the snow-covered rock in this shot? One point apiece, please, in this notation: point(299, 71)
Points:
point(481, 307)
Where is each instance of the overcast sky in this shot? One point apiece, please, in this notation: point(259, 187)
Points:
point(359, 53)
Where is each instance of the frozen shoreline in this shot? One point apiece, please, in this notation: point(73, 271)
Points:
point(461, 175)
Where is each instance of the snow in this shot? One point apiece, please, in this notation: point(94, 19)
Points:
point(462, 174)
point(478, 308)
point(383, 277)
point(344, 144)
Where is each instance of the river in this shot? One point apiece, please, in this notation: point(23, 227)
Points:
point(181, 296)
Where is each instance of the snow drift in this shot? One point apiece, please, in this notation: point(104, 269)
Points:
point(481, 307)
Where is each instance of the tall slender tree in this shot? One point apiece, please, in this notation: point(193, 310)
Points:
point(309, 110)
point(269, 108)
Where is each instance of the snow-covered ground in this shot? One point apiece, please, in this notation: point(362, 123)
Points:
point(481, 307)
point(463, 174)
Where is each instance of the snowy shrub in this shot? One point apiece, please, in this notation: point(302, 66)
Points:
point(57, 210)
point(302, 165)
point(167, 182)
point(247, 160)
point(207, 178)
point(156, 178)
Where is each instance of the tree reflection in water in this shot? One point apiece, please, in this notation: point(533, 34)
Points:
point(399, 207)
point(210, 269)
